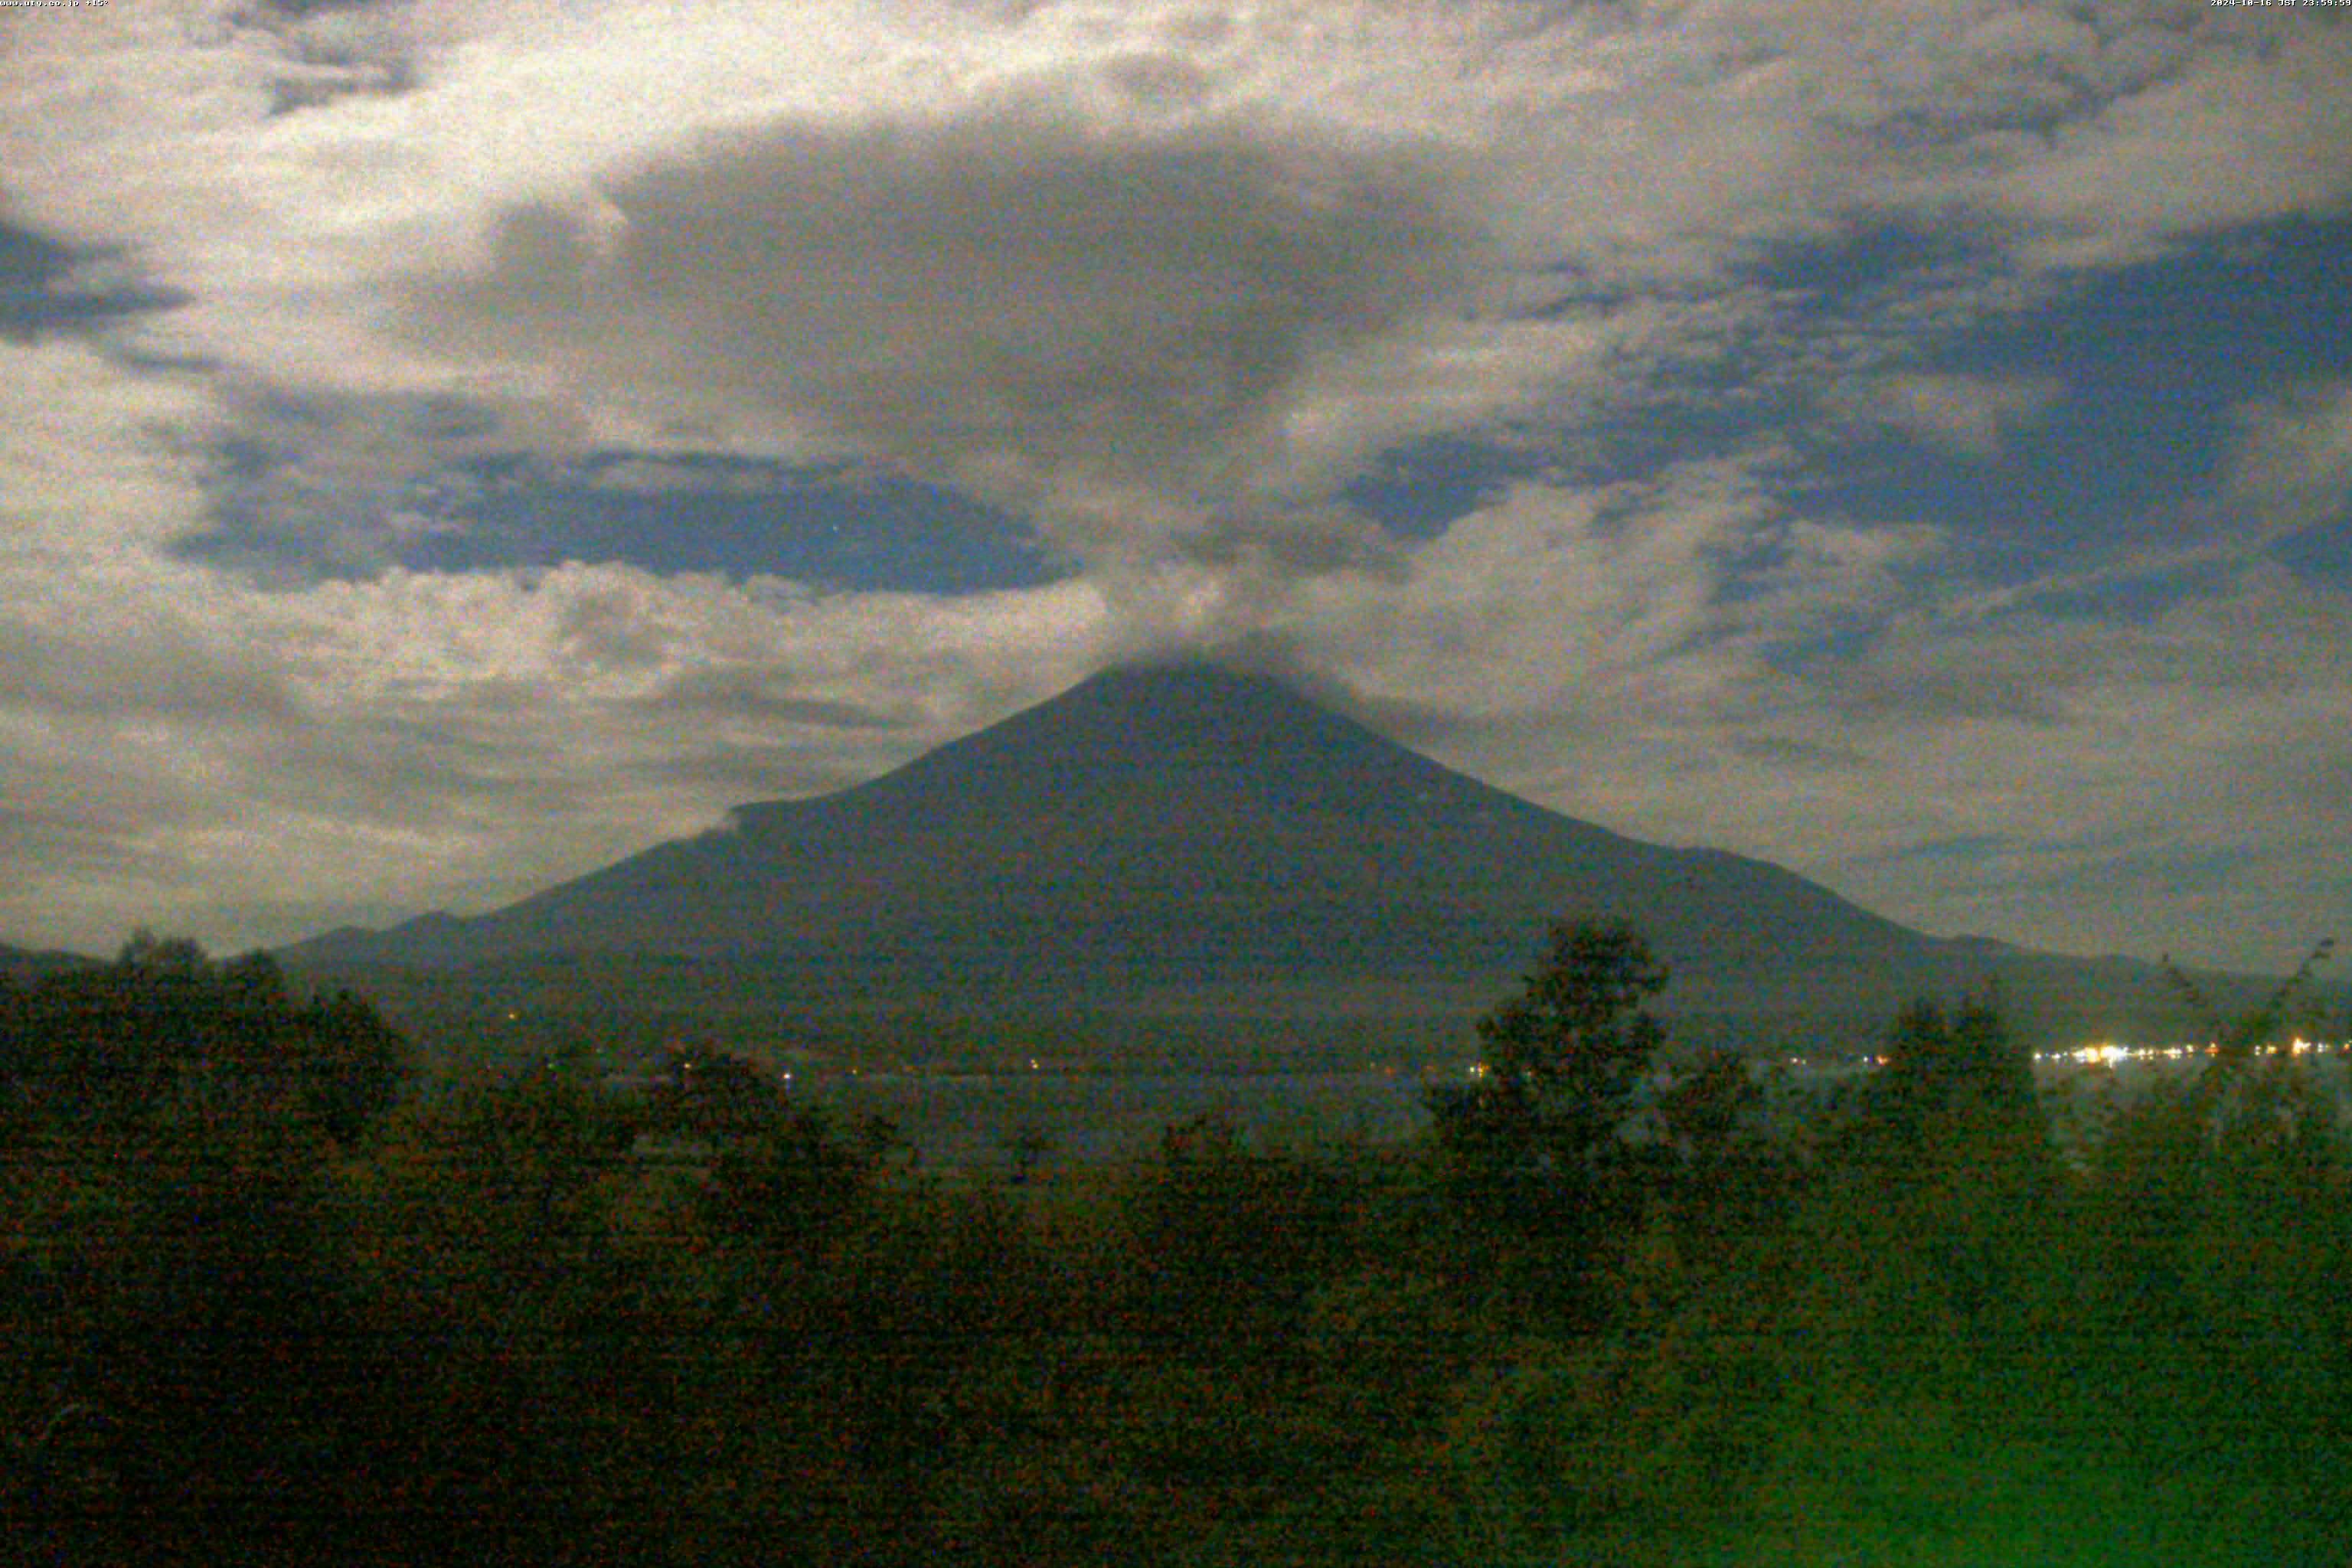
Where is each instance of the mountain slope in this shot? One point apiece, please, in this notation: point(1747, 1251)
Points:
point(22, 964)
point(1183, 831)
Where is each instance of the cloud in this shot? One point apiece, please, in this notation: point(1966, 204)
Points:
point(1109, 327)
point(1969, 415)
point(2292, 466)
point(299, 483)
point(293, 283)
point(95, 461)
point(2244, 129)
point(184, 749)
point(172, 672)
point(1701, 660)
point(334, 51)
point(422, 740)
point(2196, 739)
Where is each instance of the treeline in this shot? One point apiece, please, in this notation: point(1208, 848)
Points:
point(164, 1033)
point(1579, 1322)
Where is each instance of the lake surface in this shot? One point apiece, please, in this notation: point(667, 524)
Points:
point(970, 1120)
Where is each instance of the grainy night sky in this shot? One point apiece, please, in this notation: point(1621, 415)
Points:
point(447, 446)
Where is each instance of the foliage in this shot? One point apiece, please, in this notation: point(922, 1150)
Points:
point(798, 1181)
point(1532, 1147)
point(165, 1031)
point(1952, 1123)
point(1229, 1241)
point(1563, 1055)
point(1960, 1064)
point(532, 1322)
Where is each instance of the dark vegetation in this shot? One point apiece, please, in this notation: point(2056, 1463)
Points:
point(259, 1308)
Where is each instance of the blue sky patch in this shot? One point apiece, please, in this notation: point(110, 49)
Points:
point(1421, 490)
point(1859, 269)
point(45, 288)
point(828, 526)
point(2154, 364)
point(2320, 554)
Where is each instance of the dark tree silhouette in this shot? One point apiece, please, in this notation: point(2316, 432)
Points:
point(1562, 1056)
point(164, 1028)
point(1956, 1065)
point(1532, 1147)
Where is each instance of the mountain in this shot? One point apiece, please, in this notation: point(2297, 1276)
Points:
point(1187, 837)
point(22, 964)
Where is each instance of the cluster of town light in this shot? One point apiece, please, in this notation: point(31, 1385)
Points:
point(2103, 1053)
point(2109, 1055)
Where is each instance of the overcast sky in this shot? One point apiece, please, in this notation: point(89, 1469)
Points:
point(449, 446)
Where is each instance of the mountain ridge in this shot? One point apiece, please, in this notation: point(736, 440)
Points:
point(1180, 830)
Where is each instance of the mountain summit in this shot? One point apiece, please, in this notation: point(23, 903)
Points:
point(1184, 833)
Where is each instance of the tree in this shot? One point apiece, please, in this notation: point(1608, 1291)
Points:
point(803, 1183)
point(1941, 1199)
point(351, 1062)
point(1533, 1141)
point(1704, 1106)
point(1028, 1146)
point(2251, 1091)
point(159, 959)
point(1563, 1056)
point(1959, 1067)
point(164, 1028)
point(710, 1094)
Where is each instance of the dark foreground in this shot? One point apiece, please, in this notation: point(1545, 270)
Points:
point(254, 1321)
